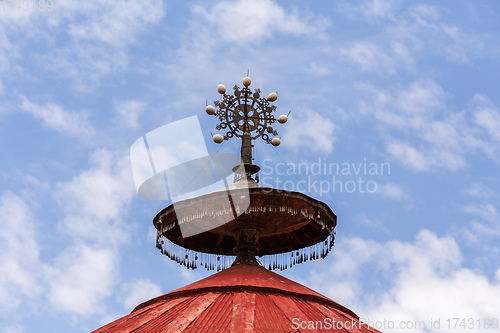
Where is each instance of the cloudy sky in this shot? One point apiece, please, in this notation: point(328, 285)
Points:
point(409, 85)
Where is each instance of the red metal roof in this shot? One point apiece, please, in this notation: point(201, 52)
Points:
point(242, 298)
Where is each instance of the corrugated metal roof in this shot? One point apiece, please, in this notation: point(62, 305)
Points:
point(243, 298)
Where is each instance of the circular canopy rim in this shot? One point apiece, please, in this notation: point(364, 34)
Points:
point(292, 230)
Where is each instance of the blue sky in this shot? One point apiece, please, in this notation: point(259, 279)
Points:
point(413, 84)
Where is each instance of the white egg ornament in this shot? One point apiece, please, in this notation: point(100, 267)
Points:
point(276, 142)
point(218, 138)
point(221, 89)
point(282, 119)
point(272, 97)
point(247, 81)
point(211, 110)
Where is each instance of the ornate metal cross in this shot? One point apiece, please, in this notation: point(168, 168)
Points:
point(248, 116)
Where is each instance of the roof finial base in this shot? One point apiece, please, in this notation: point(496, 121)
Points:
point(246, 245)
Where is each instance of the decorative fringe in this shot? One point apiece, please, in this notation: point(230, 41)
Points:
point(229, 211)
point(192, 259)
point(286, 260)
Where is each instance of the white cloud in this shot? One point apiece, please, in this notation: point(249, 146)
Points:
point(86, 272)
point(56, 118)
point(486, 211)
point(426, 30)
point(80, 40)
point(19, 254)
point(409, 33)
point(12, 17)
point(276, 38)
point(391, 191)
point(311, 131)
point(413, 106)
point(95, 200)
point(370, 57)
point(12, 329)
point(116, 23)
point(408, 155)
point(213, 26)
point(371, 9)
point(462, 44)
point(485, 126)
point(483, 225)
point(480, 191)
point(347, 287)
point(128, 112)
point(82, 277)
point(367, 55)
point(247, 21)
point(424, 159)
point(489, 119)
point(423, 133)
point(371, 222)
point(139, 291)
point(84, 64)
point(479, 232)
point(426, 277)
point(422, 97)
point(423, 13)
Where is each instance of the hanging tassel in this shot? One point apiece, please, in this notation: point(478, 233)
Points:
point(281, 261)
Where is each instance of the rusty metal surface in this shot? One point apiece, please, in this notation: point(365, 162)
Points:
point(218, 318)
point(248, 277)
point(244, 298)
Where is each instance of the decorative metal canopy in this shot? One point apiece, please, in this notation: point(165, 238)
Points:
point(283, 228)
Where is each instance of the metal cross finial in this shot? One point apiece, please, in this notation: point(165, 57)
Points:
point(246, 115)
